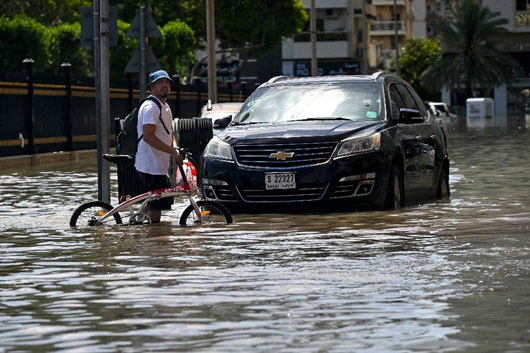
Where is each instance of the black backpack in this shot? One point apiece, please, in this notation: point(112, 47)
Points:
point(127, 140)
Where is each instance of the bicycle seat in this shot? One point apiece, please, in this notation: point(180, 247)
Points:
point(115, 158)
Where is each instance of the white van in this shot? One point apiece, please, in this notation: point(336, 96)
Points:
point(441, 110)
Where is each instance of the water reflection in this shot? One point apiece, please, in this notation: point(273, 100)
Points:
point(437, 276)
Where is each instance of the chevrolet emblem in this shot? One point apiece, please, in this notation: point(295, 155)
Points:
point(281, 155)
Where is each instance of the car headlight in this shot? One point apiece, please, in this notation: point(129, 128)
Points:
point(359, 144)
point(218, 149)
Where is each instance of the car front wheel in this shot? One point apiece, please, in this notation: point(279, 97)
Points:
point(443, 192)
point(395, 196)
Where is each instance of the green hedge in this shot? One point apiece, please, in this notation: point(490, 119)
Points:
point(20, 38)
point(23, 37)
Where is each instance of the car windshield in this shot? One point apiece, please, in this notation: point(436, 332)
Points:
point(352, 101)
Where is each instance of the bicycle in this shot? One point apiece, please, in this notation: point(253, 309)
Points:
point(96, 213)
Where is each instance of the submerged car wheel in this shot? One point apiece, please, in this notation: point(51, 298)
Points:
point(443, 192)
point(395, 197)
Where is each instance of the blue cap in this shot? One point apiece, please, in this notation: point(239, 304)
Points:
point(157, 75)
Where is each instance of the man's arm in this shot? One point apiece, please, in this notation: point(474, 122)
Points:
point(155, 142)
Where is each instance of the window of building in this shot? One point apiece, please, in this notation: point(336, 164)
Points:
point(522, 5)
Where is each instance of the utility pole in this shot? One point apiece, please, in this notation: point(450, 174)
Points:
point(143, 60)
point(143, 71)
point(313, 29)
point(212, 63)
point(101, 75)
point(396, 38)
point(365, 39)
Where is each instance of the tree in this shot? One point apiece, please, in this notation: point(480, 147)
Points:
point(253, 26)
point(418, 55)
point(470, 56)
point(176, 45)
point(121, 53)
point(47, 12)
point(22, 37)
point(257, 26)
point(245, 24)
point(64, 47)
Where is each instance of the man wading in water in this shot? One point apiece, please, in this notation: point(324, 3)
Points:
point(157, 144)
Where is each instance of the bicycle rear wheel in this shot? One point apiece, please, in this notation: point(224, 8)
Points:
point(88, 214)
point(212, 213)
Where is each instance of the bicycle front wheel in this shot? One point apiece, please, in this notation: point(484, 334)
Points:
point(212, 212)
point(89, 214)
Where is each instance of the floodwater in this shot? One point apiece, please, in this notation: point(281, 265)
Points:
point(437, 277)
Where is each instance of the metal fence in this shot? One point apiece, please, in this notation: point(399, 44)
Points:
point(40, 113)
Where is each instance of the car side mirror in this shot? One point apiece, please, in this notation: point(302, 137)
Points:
point(222, 122)
point(410, 115)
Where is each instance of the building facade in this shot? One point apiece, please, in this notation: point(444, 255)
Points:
point(355, 36)
point(339, 41)
point(512, 102)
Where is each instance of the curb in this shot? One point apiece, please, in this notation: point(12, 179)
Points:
point(35, 160)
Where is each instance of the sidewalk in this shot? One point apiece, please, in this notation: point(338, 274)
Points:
point(34, 160)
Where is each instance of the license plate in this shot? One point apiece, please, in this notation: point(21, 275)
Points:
point(274, 181)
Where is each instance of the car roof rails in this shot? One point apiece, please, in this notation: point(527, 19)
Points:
point(279, 78)
point(379, 74)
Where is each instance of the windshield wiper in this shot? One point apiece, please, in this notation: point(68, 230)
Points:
point(322, 118)
point(248, 123)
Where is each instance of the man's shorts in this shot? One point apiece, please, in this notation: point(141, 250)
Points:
point(150, 182)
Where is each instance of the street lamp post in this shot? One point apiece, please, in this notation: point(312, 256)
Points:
point(66, 69)
point(28, 67)
point(313, 29)
point(396, 38)
point(212, 64)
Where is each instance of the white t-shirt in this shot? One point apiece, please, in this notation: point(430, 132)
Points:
point(148, 159)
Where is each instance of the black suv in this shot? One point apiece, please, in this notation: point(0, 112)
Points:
point(359, 140)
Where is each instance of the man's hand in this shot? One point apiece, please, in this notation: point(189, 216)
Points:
point(177, 156)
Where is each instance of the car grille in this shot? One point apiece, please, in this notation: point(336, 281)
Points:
point(303, 154)
point(344, 189)
point(313, 193)
point(224, 193)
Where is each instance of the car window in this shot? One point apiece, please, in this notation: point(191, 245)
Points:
point(419, 102)
point(396, 100)
point(292, 102)
point(407, 98)
point(441, 108)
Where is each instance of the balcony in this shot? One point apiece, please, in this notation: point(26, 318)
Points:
point(370, 11)
point(385, 28)
point(322, 36)
point(388, 2)
point(328, 4)
point(325, 49)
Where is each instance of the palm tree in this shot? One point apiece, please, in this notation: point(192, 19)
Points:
point(470, 56)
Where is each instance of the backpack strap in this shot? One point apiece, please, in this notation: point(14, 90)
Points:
point(151, 98)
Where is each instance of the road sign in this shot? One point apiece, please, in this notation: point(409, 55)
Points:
point(87, 26)
point(143, 60)
point(151, 63)
point(151, 29)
